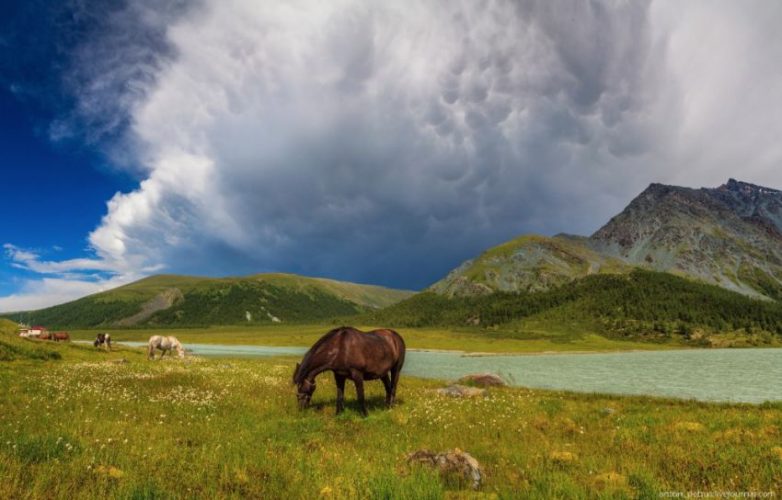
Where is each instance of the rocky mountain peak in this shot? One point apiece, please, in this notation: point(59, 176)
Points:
point(746, 189)
point(730, 236)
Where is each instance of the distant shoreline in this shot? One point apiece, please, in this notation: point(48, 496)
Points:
point(479, 354)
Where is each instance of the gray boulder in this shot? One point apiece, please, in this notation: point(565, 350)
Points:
point(483, 380)
point(451, 462)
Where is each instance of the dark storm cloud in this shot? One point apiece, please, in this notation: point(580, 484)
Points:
point(368, 142)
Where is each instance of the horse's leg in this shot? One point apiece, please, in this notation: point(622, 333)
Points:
point(386, 379)
point(340, 380)
point(358, 379)
point(395, 371)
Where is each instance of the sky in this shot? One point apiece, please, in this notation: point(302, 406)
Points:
point(376, 142)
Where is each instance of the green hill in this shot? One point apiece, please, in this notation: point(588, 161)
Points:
point(639, 303)
point(13, 347)
point(169, 300)
point(529, 263)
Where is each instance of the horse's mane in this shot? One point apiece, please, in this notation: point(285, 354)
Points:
point(304, 367)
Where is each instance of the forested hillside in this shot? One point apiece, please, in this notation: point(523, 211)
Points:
point(640, 302)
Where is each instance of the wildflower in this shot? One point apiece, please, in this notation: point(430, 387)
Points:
point(563, 457)
point(610, 480)
point(689, 426)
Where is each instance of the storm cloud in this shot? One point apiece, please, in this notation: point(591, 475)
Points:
point(385, 142)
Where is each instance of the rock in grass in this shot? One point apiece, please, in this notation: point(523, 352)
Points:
point(462, 391)
point(482, 380)
point(608, 411)
point(451, 462)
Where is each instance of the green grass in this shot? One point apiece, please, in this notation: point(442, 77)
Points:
point(230, 429)
point(562, 338)
point(12, 347)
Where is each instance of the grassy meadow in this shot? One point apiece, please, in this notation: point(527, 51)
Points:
point(532, 340)
point(91, 425)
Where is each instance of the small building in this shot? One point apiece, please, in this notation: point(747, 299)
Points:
point(33, 331)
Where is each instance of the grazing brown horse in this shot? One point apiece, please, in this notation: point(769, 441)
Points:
point(58, 336)
point(45, 336)
point(355, 355)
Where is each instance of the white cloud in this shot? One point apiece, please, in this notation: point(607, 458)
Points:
point(62, 281)
point(30, 261)
point(39, 293)
point(723, 60)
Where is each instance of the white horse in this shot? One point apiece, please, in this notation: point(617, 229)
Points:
point(165, 344)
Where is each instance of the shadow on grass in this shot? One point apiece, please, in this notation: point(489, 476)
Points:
point(373, 403)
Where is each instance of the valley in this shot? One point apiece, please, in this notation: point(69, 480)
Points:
point(651, 307)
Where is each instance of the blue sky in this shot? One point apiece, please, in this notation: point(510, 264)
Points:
point(354, 140)
point(53, 191)
point(51, 195)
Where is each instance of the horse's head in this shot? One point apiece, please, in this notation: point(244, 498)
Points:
point(304, 390)
point(176, 344)
point(304, 387)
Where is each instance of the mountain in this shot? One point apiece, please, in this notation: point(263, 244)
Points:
point(730, 236)
point(169, 300)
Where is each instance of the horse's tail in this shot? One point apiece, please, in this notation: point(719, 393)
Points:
point(402, 349)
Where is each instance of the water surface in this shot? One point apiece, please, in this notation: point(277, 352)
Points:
point(740, 375)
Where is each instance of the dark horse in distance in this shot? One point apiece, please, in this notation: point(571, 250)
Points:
point(355, 355)
point(103, 339)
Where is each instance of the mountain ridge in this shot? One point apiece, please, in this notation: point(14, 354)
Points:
point(730, 236)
